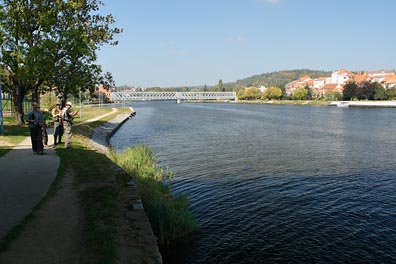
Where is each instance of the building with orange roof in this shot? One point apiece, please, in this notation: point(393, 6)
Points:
point(390, 81)
point(327, 88)
point(362, 77)
point(292, 86)
point(103, 91)
point(341, 76)
point(320, 82)
point(380, 75)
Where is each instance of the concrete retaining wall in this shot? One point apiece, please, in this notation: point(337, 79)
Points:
point(137, 243)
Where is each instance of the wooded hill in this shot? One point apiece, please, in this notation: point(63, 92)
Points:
point(279, 78)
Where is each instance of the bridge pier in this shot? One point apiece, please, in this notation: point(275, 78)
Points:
point(178, 98)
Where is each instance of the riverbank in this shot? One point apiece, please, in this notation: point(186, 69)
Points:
point(137, 242)
point(365, 104)
point(362, 104)
point(89, 214)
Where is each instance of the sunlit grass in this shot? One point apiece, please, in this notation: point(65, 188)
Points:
point(169, 216)
point(97, 187)
point(14, 134)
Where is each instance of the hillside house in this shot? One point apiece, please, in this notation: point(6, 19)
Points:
point(379, 76)
point(292, 86)
point(389, 81)
point(333, 87)
point(361, 77)
point(341, 76)
point(327, 88)
point(320, 82)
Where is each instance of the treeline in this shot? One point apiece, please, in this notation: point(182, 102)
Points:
point(278, 79)
point(367, 91)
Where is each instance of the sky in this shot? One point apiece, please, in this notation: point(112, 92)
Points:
point(169, 43)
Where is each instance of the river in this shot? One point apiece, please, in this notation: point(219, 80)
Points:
point(277, 183)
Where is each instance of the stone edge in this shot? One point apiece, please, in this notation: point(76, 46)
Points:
point(137, 240)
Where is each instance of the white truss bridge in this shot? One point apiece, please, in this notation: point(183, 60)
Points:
point(178, 96)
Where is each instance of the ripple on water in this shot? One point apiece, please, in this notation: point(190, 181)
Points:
point(277, 184)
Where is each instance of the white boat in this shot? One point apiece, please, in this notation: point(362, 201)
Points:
point(344, 104)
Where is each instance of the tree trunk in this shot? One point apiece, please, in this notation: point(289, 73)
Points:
point(35, 95)
point(18, 96)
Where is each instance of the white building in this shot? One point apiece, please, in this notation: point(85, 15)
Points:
point(320, 82)
point(341, 76)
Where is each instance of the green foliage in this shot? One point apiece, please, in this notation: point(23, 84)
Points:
point(331, 96)
point(391, 93)
point(139, 161)
point(250, 93)
point(168, 215)
point(272, 93)
point(365, 91)
point(350, 90)
point(220, 86)
point(300, 94)
point(380, 92)
point(101, 221)
point(280, 78)
point(54, 45)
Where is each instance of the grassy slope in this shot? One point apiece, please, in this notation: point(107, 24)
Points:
point(96, 182)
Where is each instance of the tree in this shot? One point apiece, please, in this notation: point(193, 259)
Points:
point(309, 91)
point(272, 93)
point(330, 96)
point(300, 93)
point(220, 86)
point(365, 91)
point(55, 44)
point(391, 93)
point(350, 91)
point(250, 93)
point(380, 92)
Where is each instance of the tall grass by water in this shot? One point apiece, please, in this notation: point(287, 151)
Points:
point(169, 216)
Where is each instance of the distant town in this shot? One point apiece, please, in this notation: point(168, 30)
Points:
point(338, 79)
point(336, 85)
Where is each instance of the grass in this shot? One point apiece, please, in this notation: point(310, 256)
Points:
point(99, 198)
point(97, 185)
point(169, 216)
point(99, 191)
point(13, 135)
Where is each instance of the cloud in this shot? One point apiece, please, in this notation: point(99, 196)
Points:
point(235, 40)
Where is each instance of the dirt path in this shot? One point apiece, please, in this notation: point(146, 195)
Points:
point(54, 235)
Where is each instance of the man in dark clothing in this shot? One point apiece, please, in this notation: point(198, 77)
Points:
point(36, 124)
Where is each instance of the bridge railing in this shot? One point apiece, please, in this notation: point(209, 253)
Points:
point(148, 96)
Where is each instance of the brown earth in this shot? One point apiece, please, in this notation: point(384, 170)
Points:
point(54, 235)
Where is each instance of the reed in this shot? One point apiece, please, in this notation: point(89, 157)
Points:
point(168, 214)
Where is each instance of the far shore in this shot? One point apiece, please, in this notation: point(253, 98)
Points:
point(368, 104)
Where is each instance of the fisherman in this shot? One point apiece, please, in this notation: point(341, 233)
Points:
point(67, 117)
point(58, 124)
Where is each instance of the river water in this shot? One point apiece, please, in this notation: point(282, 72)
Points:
point(277, 183)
